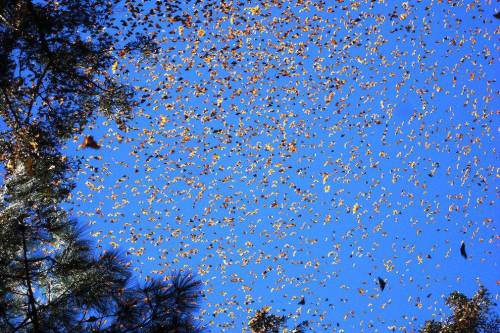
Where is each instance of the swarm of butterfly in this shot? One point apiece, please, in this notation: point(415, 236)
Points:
point(295, 151)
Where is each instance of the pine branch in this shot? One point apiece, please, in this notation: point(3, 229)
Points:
point(32, 306)
point(37, 90)
point(17, 123)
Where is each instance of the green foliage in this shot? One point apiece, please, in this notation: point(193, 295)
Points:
point(265, 322)
point(53, 79)
point(50, 278)
point(470, 315)
point(55, 63)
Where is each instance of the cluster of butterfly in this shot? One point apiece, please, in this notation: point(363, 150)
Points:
point(293, 149)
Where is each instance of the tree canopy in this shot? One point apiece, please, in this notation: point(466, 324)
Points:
point(263, 321)
point(469, 315)
point(54, 79)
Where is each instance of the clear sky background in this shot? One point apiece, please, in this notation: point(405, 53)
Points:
point(304, 149)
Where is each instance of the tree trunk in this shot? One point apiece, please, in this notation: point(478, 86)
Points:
point(32, 309)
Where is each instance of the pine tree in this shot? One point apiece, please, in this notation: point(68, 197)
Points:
point(55, 62)
point(50, 279)
point(53, 81)
point(265, 322)
point(470, 315)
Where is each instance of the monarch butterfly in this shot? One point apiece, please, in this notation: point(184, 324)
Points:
point(90, 143)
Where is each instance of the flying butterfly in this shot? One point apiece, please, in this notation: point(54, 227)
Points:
point(89, 142)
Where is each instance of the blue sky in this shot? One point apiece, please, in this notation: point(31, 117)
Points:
point(300, 152)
